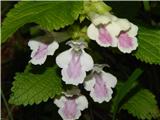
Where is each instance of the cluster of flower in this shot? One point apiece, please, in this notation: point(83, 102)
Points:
point(107, 30)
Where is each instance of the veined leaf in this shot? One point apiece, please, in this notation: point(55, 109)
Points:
point(149, 46)
point(29, 88)
point(143, 105)
point(48, 14)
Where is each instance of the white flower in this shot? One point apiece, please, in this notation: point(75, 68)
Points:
point(70, 107)
point(105, 28)
point(100, 86)
point(127, 42)
point(74, 63)
point(41, 50)
point(102, 19)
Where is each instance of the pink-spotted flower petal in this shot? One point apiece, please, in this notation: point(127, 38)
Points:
point(74, 63)
point(70, 107)
point(100, 86)
point(41, 50)
point(105, 28)
point(127, 42)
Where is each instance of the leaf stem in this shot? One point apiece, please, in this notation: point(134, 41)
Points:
point(6, 105)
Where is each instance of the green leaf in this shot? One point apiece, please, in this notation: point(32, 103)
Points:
point(124, 90)
point(142, 105)
point(49, 15)
point(149, 45)
point(29, 88)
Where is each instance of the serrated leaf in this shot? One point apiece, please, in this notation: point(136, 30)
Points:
point(142, 105)
point(149, 45)
point(124, 90)
point(29, 88)
point(49, 15)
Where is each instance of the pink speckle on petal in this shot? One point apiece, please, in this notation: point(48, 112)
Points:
point(41, 52)
point(125, 41)
point(74, 67)
point(70, 109)
point(100, 88)
point(104, 35)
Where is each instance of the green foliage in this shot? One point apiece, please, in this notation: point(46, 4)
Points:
point(142, 105)
point(96, 6)
point(29, 88)
point(149, 45)
point(124, 90)
point(49, 15)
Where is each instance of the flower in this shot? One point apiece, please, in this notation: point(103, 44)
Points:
point(74, 63)
point(127, 42)
point(41, 50)
point(100, 85)
point(105, 28)
point(71, 107)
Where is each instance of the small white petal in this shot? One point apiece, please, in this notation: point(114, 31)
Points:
point(78, 114)
point(92, 32)
point(104, 37)
point(40, 51)
point(123, 24)
point(109, 79)
point(64, 58)
point(34, 45)
point(102, 19)
point(38, 61)
point(100, 86)
point(133, 30)
point(60, 102)
point(88, 84)
point(114, 41)
point(109, 95)
point(101, 44)
point(60, 111)
point(113, 29)
point(52, 48)
point(72, 81)
point(86, 61)
point(33, 53)
point(106, 98)
point(130, 49)
point(82, 102)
